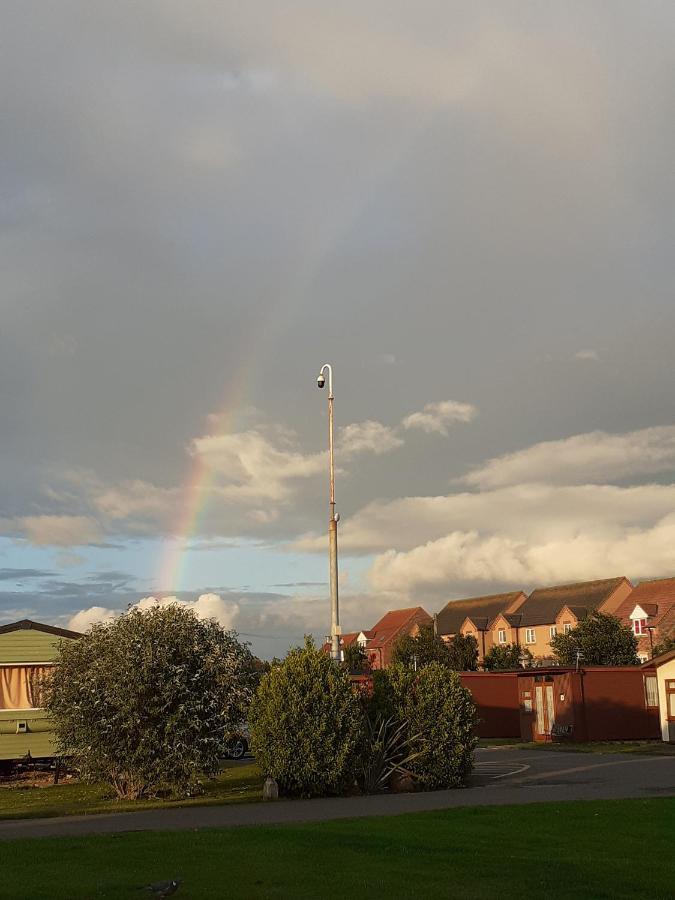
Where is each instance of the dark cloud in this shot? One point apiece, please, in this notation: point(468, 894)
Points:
point(24, 574)
point(200, 204)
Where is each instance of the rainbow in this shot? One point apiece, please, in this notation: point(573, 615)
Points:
point(320, 242)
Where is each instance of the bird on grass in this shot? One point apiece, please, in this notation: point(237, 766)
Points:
point(164, 888)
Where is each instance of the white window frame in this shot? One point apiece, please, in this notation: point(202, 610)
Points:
point(501, 636)
point(639, 627)
point(553, 631)
point(651, 693)
point(530, 635)
point(568, 627)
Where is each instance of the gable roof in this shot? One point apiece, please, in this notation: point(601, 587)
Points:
point(450, 619)
point(392, 623)
point(30, 625)
point(656, 661)
point(544, 604)
point(657, 599)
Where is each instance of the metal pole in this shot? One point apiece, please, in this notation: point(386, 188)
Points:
point(333, 520)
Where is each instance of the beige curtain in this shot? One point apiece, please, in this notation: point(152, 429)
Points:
point(21, 686)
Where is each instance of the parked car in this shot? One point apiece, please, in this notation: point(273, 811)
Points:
point(236, 744)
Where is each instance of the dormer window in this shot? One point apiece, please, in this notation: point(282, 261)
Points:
point(639, 627)
point(501, 635)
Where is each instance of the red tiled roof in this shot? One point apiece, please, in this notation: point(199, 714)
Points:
point(392, 623)
point(657, 599)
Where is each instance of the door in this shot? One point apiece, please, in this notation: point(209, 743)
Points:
point(670, 709)
point(544, 709)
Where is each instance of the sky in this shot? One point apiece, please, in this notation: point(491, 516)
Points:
point(467, 209)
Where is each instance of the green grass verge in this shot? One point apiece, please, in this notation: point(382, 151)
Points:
point(650, 748)
point(570, 850)
point(235, 784)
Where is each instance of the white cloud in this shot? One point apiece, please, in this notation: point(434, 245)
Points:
point(257, 465)
point(367, 437)
point(85, 618)
point(594, 457)
point(206, 606)
point(472, 557)
point(529, 512)
point(436, 417)
point(591, 355)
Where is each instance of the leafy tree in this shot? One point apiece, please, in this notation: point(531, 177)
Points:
point(421, 649)
point(602, 640)
point(664, 645)
point(355, 659)
point(463, 653)
point(307, 725)
point(506, 656)
point(439, 715)
point(143, 702)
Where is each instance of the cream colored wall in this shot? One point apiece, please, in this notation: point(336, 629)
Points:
point(541, 647)
point(666, 671)
point(494, 634)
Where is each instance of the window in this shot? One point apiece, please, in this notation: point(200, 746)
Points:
point(21, 686)
point(501, 635)
point(640, 626)
point(568, 627)
point(670, 699)
point(530, 636)
point(553, 631)
point(651, 690)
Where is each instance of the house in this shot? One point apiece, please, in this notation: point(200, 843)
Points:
point(28, 650)
point(378, 641)
point(664, 667)
point(473, 616)
point(650, 611)
point(553, 610)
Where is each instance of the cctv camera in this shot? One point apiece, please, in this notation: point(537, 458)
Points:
point(320, 380)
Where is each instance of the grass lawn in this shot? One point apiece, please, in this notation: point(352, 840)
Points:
point(236, 783)
point(651, 748)
point(610, 849)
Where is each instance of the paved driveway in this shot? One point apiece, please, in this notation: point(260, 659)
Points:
point(502, 776)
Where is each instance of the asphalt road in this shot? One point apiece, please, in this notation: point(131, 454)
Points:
point(503, 776)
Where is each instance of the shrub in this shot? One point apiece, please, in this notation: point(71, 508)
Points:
point(306, 725)
point(602, 640)
point(506, 656)
point(460, 653)
point(439, 715)
point(143, 702)
point(415, 651)
point(355, 659)
point(463, 653)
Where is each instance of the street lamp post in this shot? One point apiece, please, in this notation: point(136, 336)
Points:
point(333, 520)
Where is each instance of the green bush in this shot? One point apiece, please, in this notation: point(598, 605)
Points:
point(439, 715)
point(506, 656)
point(307, 725)
point(143, 702)
point(602, 640)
